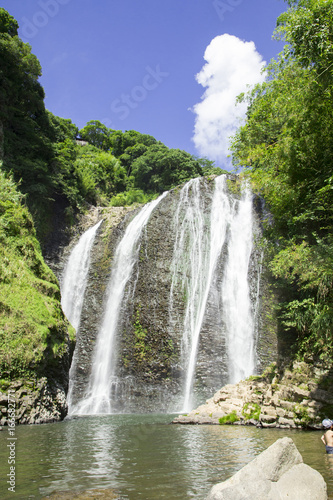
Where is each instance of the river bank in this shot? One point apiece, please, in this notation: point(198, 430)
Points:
point(297, 396)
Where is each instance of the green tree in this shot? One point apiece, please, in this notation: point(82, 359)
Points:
point(8, 25)
point(100, 175)
point(121, 141)
point(287, 146)
point(130, 154)
point(62, 128)
point(208, 166)
point(96, 134)
point(307, 28)
point(161, 168)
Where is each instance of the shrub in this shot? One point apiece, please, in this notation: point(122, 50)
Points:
point(229, 419)
point(251, 411)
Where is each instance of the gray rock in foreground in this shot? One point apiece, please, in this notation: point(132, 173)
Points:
point(278, 473)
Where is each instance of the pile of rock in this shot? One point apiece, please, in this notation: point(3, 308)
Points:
point(34, 402)
point(276, 474)
point(299, 398)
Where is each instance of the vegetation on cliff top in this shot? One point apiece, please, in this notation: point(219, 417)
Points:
point(286, 146)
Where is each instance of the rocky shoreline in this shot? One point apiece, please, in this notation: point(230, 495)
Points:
point(296, 397)
point(32, 402)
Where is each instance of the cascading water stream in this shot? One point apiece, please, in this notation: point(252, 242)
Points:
point(205, 293)
point(98, 398)
point(198, 246)
point(189, 267)
point(196, 253)
point(75, 275)
point(73, 286)
point(238, 315)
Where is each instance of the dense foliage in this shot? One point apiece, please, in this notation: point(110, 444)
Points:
point(34, 334)
point(26, 146)
point(287, 147)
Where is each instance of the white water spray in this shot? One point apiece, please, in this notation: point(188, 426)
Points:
point(73, 286)
point(197, 249)
point(198, 246)
point(75, 275)
point(103, 376)
point(236, 294)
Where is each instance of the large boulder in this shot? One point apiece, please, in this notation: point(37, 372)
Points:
point(301, 482)
point(276, 474)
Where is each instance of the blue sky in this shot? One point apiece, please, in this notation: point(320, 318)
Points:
point(133, 65)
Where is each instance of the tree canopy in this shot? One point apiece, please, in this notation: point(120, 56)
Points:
point(286, 145)
point(8, 25)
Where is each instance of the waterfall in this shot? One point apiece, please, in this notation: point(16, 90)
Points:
point(187, 270)
point(198, 246)
point(73, 285)
point(103, 379)
point(74, 279)
point(190, 267)
point(235, 291)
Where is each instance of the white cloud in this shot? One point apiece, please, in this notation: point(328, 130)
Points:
point(232, 65)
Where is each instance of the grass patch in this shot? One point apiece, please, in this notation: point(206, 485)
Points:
point(229, 419)
point(141, 348)
point(253, 378)
point(130, 197)
point(301, 415)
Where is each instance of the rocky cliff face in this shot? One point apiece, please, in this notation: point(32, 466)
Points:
point(150, 370)
point(114, 221)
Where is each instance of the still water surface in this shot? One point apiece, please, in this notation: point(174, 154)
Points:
point(140, 456)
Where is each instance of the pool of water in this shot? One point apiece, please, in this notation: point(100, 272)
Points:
point(140, 456)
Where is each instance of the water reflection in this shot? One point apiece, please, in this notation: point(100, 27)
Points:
point(329, 464)
point(141, 456)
